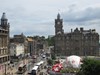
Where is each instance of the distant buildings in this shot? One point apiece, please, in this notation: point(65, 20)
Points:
point(77, 42)
point(31, 46)
point(16, 49)
point(4, 39)
point(19, 46)
point(99, 48)
point(41, 45)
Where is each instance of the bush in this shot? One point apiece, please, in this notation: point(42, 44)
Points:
point(90, 67)
point(69, 70)
point(50, 62)
point(53, 57)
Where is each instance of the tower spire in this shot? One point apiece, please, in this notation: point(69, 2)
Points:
point(3, 16)
point(58, 25)
point(58, 16)
point(4, 20)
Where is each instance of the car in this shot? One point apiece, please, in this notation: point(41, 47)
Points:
point(11, 62)
point(43, 56)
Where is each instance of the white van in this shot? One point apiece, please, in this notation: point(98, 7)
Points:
point(34, 71)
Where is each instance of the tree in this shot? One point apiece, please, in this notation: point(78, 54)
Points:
point(90, 67)
point(53, 56)
point(50, 41)
point(50, 62)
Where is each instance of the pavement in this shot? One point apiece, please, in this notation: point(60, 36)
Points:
point(8, 70)
point(11, 69)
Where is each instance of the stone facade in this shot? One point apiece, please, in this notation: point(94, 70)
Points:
point(4, 39)
point(31, 46)
point(22, 40)
point(77, 42)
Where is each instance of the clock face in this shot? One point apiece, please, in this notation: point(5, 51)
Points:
point(58, 22)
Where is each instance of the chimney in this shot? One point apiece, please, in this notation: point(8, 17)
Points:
point(81, 29)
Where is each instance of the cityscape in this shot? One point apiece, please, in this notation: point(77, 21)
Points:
point(39, 49)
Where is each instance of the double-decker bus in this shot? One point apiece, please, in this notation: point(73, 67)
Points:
point(22, 68)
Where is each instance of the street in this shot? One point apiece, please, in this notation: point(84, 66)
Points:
point(12, 69)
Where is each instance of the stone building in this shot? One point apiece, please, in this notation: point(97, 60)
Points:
point(31, 45)
point(20, 39)
point(77, 42)
point(4, 39)
point(16, 51)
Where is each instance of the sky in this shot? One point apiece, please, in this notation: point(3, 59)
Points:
point(37, 17)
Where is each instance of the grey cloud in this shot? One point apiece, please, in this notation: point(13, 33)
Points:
point(28, 15)
point(82, 16)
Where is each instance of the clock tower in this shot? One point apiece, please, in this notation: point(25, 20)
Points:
point(58, 25)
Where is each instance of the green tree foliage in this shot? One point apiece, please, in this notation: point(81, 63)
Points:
point(69, 70)
point(50, 41)
point(90, 67)
point(53, 57)
point(39, 38)
point(50, 62)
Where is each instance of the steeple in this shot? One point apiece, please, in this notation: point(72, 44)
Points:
point(4, 16)
point(4, 19)
point(58, 16)
point(4, 22)
point(58, 25)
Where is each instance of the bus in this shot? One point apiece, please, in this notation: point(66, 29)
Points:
point(22, 68)
point(34, 71)
point(40, 65)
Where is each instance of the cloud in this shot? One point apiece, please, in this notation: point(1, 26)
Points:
point(30, 29)
point(86, 15)
point(36, 17)
point(88, 18)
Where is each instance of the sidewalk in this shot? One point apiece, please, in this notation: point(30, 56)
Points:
point(9, 70)
point(12, 68)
